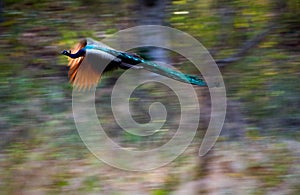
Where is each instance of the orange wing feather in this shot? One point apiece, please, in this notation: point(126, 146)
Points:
point(85, 72)
point(75, 63)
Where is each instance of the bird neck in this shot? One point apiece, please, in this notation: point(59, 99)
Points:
point(80, 53)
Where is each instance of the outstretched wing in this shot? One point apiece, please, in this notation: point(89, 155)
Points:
point(75, 63)
point(85, 72)
point(95, 43)
point(126, 57)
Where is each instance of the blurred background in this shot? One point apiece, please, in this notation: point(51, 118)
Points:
point(256, 45)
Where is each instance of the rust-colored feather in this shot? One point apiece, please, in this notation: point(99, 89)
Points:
point(75, 63)
point(85, 72)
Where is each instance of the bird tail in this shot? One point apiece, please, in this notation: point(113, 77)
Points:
point(195, 80)
point(173, 74)
point(150, 66)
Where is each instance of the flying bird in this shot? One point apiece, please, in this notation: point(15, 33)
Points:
point(90, 58)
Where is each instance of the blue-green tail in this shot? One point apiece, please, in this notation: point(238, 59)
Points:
point(173, 74)
point(153, 67)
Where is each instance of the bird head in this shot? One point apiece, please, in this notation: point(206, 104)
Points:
point(65, 52)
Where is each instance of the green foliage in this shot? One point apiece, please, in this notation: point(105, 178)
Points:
point(9, 2)
point(59, 181)
point(266, 79)
point(36, 97)
point(159, 192)
point(171, 182)
point(17, 153)
point(131, 138)
point(111, 31)
point(271, 171)
point(221, 24)
point(253, 133)
point(90, 183)
point(264, 87)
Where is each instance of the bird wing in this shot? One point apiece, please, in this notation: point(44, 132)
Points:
point(127, 57)
point(75, 63)
point(85, 72)
point(93, 42)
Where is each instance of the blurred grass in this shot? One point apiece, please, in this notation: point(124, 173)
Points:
point(266, 79)
point(41, 141)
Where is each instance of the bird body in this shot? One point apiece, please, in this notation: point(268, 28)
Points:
point(90, 58)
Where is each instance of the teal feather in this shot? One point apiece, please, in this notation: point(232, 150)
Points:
point(151, 66)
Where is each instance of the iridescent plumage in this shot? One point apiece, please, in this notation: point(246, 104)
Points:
point(90, 58)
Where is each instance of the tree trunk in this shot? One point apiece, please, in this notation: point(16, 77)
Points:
point(1, 11)
point(152, 12)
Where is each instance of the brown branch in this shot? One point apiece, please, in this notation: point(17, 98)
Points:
point(246, 47)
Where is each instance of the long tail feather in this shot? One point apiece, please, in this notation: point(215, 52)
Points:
point(153, 67)
point(173, 74)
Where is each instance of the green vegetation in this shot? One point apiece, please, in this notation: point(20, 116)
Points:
point(41, 151)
